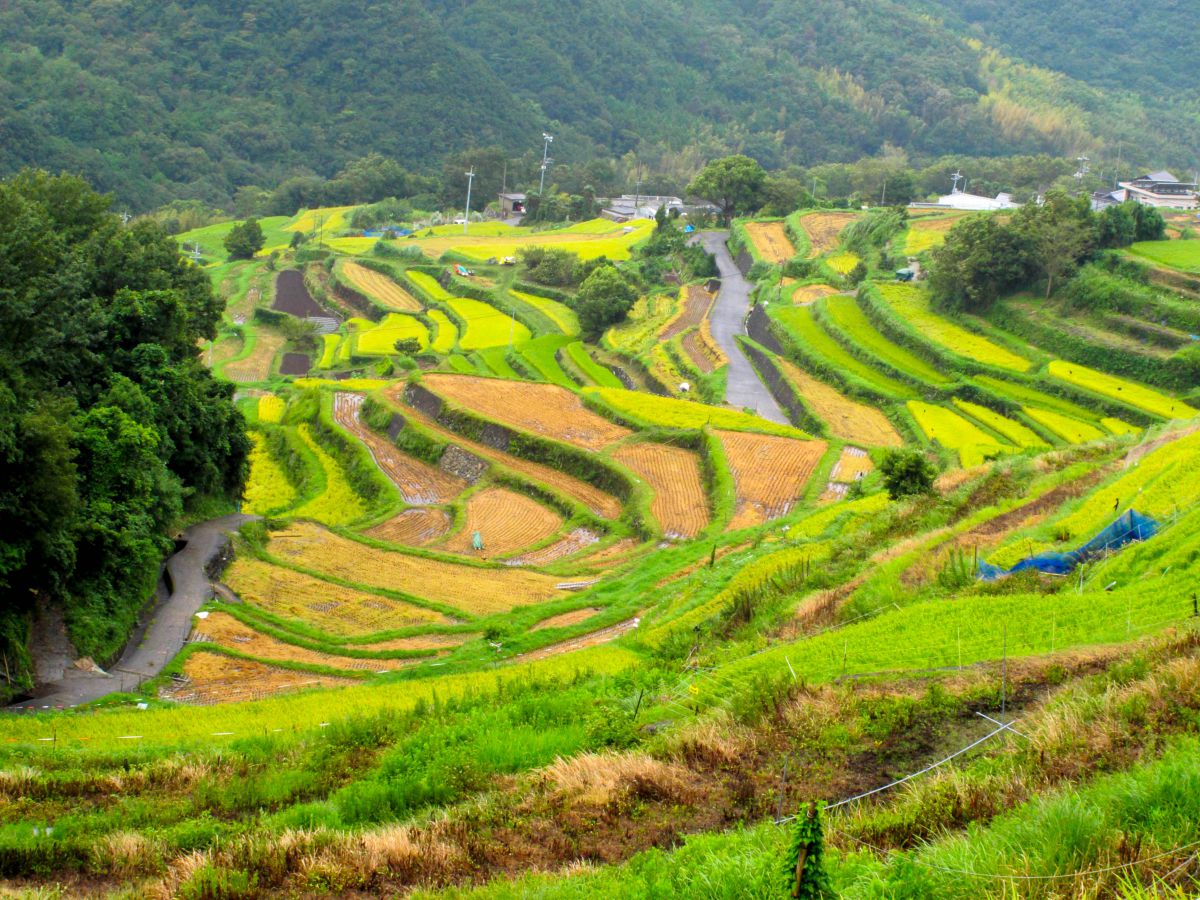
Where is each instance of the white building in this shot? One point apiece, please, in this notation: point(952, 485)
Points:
point(1162, 190)
point(962, 200)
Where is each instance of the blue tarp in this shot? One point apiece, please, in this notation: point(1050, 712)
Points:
point(1129, 527)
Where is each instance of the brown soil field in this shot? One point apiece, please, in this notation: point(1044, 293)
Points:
point(811, 293)
point(577, 540)
point(505, 520)
point(562, 620)
point(256, 366)
point(419, 483)
point(615, 553)
point(473, 589)
point(604, 505)
point(223, 350)
point(680, 504)
point(292, 296)
point(215, 678)
point(223, 629)
point(769, 473)
point(379, 286)
point(295, 364)
point(702, 350)
point(413, 527)
point(771, 241)
point(545, 409)
point(823, 229)
point(337, 610)
point(693, 308)
point(847, 419)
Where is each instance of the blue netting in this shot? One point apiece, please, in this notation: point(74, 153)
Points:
point(1131, 526)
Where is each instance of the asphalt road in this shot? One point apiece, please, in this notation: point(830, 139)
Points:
point(168, 629)
point(727, 320)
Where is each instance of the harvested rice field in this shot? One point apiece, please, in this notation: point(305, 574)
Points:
point(475, 590)
point(562, 620)
point(506, 522)
point(577, 540)
point(680, 504)
point(824, 228)
point(211, 678)
point(769, 473)
point(694, 304)
point(380, 287)
point(771, 241)
point(256, 366)
point(421, 642)
point(419, 483)
point(703, 351)
point(413, 527)
point(846, 418)
point(328, 607)
point(853, 465)
point(811, 293)
point(545, 409)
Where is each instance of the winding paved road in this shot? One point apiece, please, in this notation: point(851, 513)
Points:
point(727, 320)
point(168, 628)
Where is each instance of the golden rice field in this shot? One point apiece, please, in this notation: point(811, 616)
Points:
point(419, 483)
point(413, 527)
point(1070, 430)
point(1135, 395)
point(1013, 432)
point(604, 505)
point(224, 630)
point(844, 262)
point(642, 325)
point(704, 352)
point(846, 419)
point(328, 607)
point(569, 544)
point(213, 678)
point(428, 284)
point(486, 326)
point(769, 473)
point(694, 304)
point(805, 294)
point(474, 590)
point(824, 229)
point(447, 332)
point(271, 408)
point(544, 409)
point(431, 641)
point(853, 464)
point(267, 488)
point(379, 339)
point(680, 504)
point(771, 241)
point(559, 313)
point(925, 234)
point(954, 432)
point(329, 220)
point(338, 504)
point(562, 620)
point(379, 287)
point(505, 520)
point(256, 366)
point(672, 413)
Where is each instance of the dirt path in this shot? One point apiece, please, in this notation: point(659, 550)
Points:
point(165, 628)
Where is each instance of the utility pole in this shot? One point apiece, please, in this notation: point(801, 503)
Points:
point(637, 196)
point(504, 183)
point(467, 215)
point(546, 160)
point(956, 178)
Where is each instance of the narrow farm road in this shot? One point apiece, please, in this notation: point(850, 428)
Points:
point(167, 625)
point(728, 319)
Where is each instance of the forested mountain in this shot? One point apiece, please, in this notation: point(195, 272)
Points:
point(162, 101)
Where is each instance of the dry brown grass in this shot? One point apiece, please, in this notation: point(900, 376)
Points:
point(598, 780)
point(377, 285)
point(216, 678)
point(421, 642)
point(680, 504)
point(330, 607)
point(122, 854)
point(413, 527)
point(256, 366)
point(419, 483)
point(771, 241)
point(769, 473)
point(544, 409)
point(505, 520)
point(562, 620)
point(824, 228)
point(847, 419)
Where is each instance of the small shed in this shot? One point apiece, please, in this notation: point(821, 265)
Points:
point(512, 205)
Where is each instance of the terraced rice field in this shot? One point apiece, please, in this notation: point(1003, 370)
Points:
point(642, 325)
point(447, 332)
point(224, 630)
point(413, 527)
point(428, 284)
point(256, 366)
point(474, 590)
point(559, 313)
point(925, 234)
point(812, 338)
point(1069, 429)
point(604, 505)
point(380, 340)
point(544, 409)
point(267, 489)
point(769, 473)
point(563, 620)
point(596, 373)
point(329, 219)
point(804, 294)
point(1013, 432)
point(847, 314)
point(486, 326)
point(431, 641)
point(577, 540)
point(853, 465)
point(1032, 397)
point(703, 351)
point(216, 678)
point(694, 304)
point(1106, 385)
point(954, 432)
point(506, 521)
point(271, 408)
point(680, 504)
point(380, 287)
point(419, 483)
point(337, 504)
point(911, 304)
point(846, 419)
point(843, 263)
point(771, 241)
point(1181, 255)
point(824, 229)
point(672, 413)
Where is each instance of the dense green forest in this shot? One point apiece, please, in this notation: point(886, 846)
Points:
point(110, 425)
point(162, 101)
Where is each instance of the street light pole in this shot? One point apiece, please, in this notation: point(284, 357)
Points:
point(548, 140)
point(467, 215)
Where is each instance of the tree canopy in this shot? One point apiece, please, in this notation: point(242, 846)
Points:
point(733, 183)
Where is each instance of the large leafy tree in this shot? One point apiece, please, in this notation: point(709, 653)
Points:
point(604, 298)
point(733, 183)
point(109, 424)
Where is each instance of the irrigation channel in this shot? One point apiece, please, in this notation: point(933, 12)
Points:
point(743, 388)
point(183, 588)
